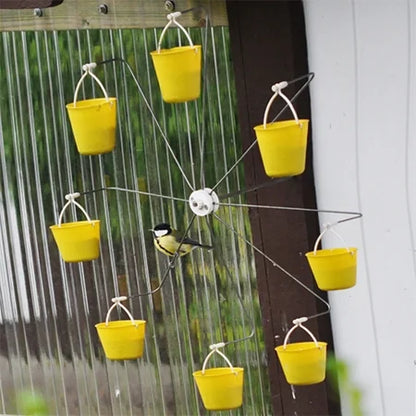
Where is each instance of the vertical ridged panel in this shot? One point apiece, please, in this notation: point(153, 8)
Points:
point(49, 308)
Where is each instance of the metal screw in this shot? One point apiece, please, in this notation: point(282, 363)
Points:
point(103, 8)
point(37, 12)
point(169, 5)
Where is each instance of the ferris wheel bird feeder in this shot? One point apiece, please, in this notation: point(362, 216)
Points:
point(333, 268)
point(178, 69)
point(80, 240)
point(220, 388)
point(124, 339)
point(282, 144)
point(93, 121)
point(303, 363)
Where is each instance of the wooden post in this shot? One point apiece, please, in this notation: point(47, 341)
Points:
point(268, 45)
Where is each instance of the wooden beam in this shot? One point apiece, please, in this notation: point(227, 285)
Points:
point(121, 14)
point(268, 45)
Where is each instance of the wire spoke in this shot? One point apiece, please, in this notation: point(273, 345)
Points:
point(149, 107)
point(282, 269)
point(116, 188)
point(353, 215)
point(255, 188)
point(236, 289)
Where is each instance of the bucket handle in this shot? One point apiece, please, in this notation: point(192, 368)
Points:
point(215, 349)
point(117, 302)
point(329, 227)
point(88, 71)
point(71, 200)
point(277, 89)
point(172, 19)
point(298, 324)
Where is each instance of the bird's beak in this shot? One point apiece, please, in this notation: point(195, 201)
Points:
point(150, 229)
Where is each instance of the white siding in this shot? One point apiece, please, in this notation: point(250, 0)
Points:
point(364, 124)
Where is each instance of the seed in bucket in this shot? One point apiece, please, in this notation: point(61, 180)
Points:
point(170, 241)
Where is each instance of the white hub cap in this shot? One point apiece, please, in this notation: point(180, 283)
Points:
point(203, 202)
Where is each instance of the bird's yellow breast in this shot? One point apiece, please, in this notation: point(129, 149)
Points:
point(169, 245)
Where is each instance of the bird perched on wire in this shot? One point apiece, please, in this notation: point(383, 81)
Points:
point(170, 241)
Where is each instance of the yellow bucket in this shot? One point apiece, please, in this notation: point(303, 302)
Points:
point(283, 147)
point(122, 340)
point(93, 121)
point(220, 388)
point(178, 69)
point(94, 125)
point(303, 363)
point(77, 241)
point(334, 268)
point(282, 144)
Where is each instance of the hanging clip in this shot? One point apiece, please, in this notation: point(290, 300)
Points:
point(279, 86)
point(72, 197)
point(173, 16)
point(89, 67)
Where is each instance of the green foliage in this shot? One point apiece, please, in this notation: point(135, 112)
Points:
point(339, 376)
point(31, 403)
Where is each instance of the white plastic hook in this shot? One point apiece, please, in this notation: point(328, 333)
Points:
point(298, 324)
point(87, 68)
point(329, 227)
point(172, 20)
point(117, 302)
point(277, 89)
point(71, 200)
point(215, 349)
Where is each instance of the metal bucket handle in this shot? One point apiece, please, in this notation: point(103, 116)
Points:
point(117, 302)
point(215, 349)
point(298, 324)
point(88, 71)
point(71, 200)
point(172, 19)
point(277, 89)
point(329, 227)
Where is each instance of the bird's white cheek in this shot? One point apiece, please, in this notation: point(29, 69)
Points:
point(160, 233)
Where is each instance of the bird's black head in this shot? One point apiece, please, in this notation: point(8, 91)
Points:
point(162, 229)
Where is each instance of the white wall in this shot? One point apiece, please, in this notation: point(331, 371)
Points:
point(364, 123)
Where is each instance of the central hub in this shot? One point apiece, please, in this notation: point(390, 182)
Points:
point(203, 202)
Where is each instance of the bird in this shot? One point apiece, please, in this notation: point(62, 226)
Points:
point(168, 240)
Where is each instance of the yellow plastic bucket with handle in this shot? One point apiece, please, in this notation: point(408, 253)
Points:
point(178, 69)
point(303, 363)
point(93, 121)
point(77, 241)
point(220, 388)
point(124, 339)
point(282, 144)
point(333, 268)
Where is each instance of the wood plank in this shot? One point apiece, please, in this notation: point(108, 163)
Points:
point(268, 45)
point(85, 14)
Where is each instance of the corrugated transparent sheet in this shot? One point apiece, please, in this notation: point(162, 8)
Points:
point(48, 308)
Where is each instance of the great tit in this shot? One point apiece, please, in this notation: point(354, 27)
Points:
point(168, 240)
